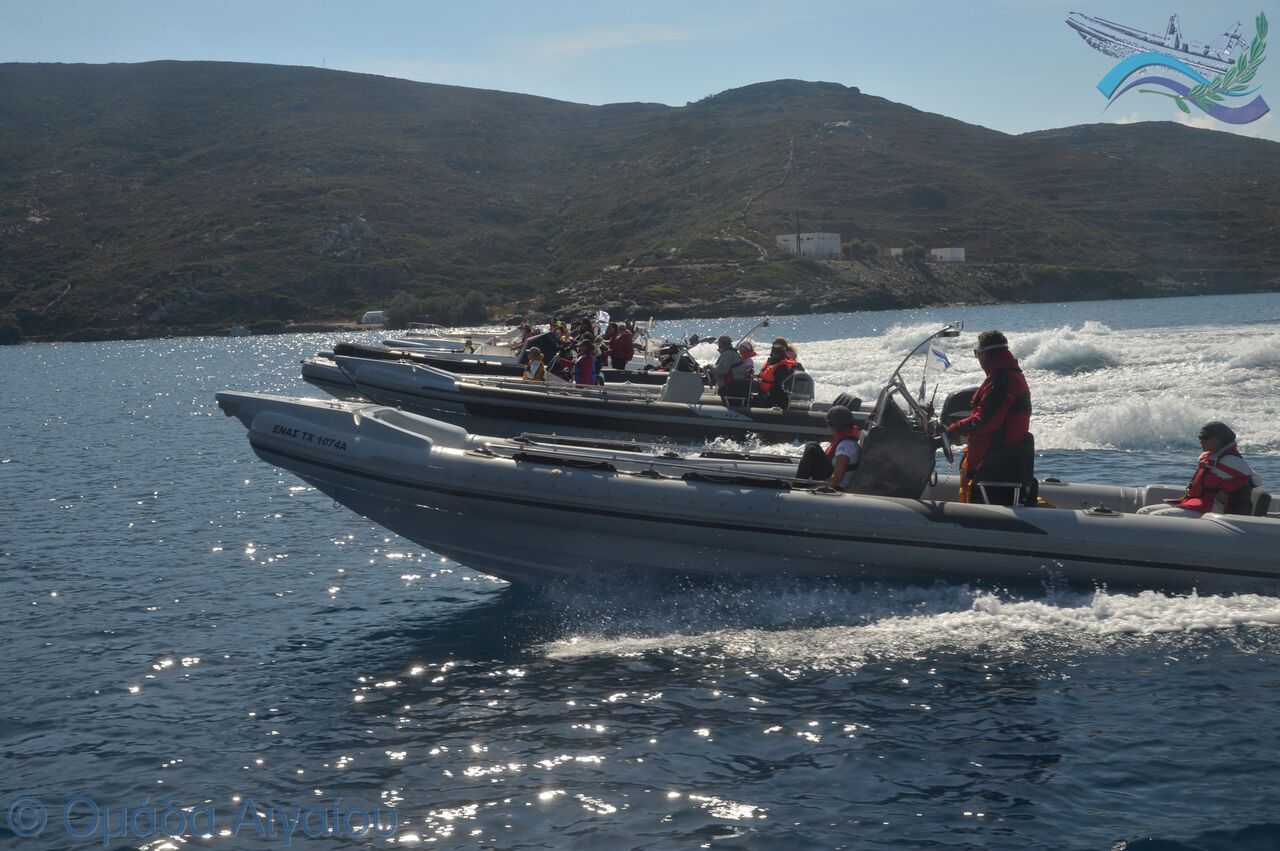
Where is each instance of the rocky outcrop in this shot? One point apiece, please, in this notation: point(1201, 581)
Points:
point(343, 244)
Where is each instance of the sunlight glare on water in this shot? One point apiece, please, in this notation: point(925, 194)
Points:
point(182, 618)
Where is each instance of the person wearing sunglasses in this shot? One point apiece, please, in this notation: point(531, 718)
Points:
point(1221, 472)
point(1001, 412)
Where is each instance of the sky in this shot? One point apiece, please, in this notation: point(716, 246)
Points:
point(1011, 65)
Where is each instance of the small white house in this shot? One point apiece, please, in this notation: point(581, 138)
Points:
point(895, 252)
point(818, 245)
point(947, 255)
point(374, 317)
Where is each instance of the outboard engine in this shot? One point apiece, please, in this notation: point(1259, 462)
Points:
point(957, 406)
point(849, 401)
point(544, 342)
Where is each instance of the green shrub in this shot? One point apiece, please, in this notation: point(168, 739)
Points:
point(443, 310)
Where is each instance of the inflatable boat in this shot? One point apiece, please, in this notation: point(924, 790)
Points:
point(680, 408)
point(325, 374)
point(532, 508)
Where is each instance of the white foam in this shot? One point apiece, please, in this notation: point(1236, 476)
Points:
point(1135, 423)
point(989, 624)
point(1262, 354)
point(1067, 352)
point(1092, 387)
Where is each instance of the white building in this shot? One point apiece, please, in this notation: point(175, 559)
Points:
point(947, 255)
point(374, 317)
point(895, 252)
point(818, 245)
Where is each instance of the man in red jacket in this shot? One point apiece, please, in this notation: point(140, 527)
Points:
point(1001, 413)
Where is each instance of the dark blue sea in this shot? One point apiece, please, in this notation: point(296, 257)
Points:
point(195, 640)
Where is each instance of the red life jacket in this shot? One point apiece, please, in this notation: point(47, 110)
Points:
point(850, 433)
point(1001, 411)
point(767, 374)
point(1216, 476)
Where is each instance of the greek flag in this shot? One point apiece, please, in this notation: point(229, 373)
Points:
point(938, 359)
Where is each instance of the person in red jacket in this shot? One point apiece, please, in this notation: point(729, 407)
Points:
point(622, 348)
point(1001, 413)
point(584, 366)
point(1221, 472)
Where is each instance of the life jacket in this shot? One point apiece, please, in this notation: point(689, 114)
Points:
point(1001, 411)
point(535, 370)
point(584, 369)
point(850, 433)
point(768, 375)
point(1217, 475)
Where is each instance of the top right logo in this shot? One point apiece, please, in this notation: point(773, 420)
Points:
point(1216, 77)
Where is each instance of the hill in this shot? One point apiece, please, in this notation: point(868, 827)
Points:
point(173, 197)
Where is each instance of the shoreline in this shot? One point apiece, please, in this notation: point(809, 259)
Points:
point(748, 304)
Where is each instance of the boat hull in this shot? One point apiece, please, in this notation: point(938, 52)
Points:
point(430, 391)
point(525, 518)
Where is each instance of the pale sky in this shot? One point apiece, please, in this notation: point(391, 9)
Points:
point(1011, 65)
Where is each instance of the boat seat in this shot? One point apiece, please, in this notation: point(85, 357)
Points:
point(799, 389)
point(1007, 475)
point(1251, 501)
point(894, 462)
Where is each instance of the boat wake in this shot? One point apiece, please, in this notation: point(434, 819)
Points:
point(826, 628)
point(1065, 351)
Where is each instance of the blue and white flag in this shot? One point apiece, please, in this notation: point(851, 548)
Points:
point(938, 359)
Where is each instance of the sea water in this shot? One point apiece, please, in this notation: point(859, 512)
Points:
point(186, 627)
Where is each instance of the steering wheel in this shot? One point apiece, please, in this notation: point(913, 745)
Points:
point(947, 451)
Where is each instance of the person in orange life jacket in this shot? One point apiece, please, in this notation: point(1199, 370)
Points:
point(584, 366)
point(835, 465)
point(1001, 411)
point(780, 366)
point(536, 368)
point(1221, 472)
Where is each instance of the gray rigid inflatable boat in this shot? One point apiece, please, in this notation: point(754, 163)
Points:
point(488, 503)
